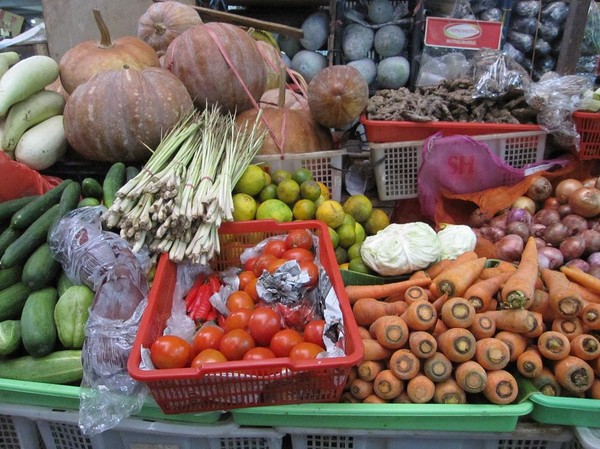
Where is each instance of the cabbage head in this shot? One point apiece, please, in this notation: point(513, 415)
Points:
point(455, 240)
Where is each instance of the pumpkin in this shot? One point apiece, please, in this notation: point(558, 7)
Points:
point(337, 95)
point(117, 113)
point(195, 58)
point(87, 58)
point(295, 130)
point(274, 65)
point(164, 21)
point(291, 100)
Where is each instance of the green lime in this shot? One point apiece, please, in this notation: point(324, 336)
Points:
point(359, 230)
point(274, 209)
point(346, 234)
point(251, 182)
point(358, 265)
point(310, 190)
point(335, 240)
point(244, 207)
point(349, 219)
point(288, 191)
point(377, 221)
point(302, 174)
point(359, 206)
point(267, 178)
point(341, 255)
point(304, 210)
point(354, 251)
point(268, 192)
point(331, 213)
point(279, 175)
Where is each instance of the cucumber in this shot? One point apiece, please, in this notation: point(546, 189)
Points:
point(91, 188)
point(58, 367)
point(88, 202)
point(36, 234)
point(8, 208)
point(131, 172)
point(8, 236)
point(38, 330)
point(113, 181)
point(10, 276)
point(10, 336)
point(40, 269)
point(12, 300)
point(68, 201)
point(30, 212)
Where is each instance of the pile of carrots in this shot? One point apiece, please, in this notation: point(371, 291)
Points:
point(464, 328)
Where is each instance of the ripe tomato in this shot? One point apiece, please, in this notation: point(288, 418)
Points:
point(313, 332)
point(261, 263)
point(251, 289)
point(275, 247)
point(264, 323)
point(305, 351)
point(299, 254)
point(244, 277)
point(208, 356)
point(273, 265)
point(298, 238)
point(238, 319)
point(207, 337)
point(249, 264)
point(313, 271)
point(235, 343)
point(258, 353)
point(239, 299)
point(284, 340)
point(170, 351)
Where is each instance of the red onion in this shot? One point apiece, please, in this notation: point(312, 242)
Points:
point(595, 271)
point(540, 189)
point(478, 218)
point(579, 263)
point(499, 221)
point(574, 223)
point(520, 215)
point(592, 240)
point(546, 216)
point(594, 259)
point(573, 247)
point(519, 228)
point(551, 203)
point(554, 256)
point(537, 230)
point(594, 224)
point(491, 233)
point(564, 209)
point(555, 233)
point(510, 248)
point(539, 242)
point(524, 202)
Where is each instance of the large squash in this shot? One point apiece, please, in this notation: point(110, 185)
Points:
point(201, 58)
point(114, 115)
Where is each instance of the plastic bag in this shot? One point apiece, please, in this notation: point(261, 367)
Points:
point(19, 180)
point(496, 73)
point(118, 276)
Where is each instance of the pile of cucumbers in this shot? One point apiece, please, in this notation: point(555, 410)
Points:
point(42, 314)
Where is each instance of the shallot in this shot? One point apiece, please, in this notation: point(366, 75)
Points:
point(585, 201)
point(579, 263)
point(510, 247)
point(572, 247)
point(574, 223)
point(565, 188)
point(553, 256)
point(594, 259)
point(555, 233)
point(546, 216)
point(540, 189)
point(592, 240)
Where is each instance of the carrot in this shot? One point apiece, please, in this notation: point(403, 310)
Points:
point(381, 291)
point(595, 365)
point(586, 295)
point(471, 376)
point(422, 344)
point(492, 353)
point(457, 343)
point(519, 320)
point(554, 345)
point(438, 303)
point(366, 310)
point(444, 264)
point(570, 327)
point(438, 367)
point(582, 278)
point(546, 383)
point(457, 312)
point(419, 274)
point(420, 389)
point(590, 316)
point(529, 364)
point(363, 332)
point(420, 316)
point(449, 392)
point(368, 369)
point(594, 391)
point(373, 399)
point(481, 293)
point(415, 293)
point(497, 267)
point(585, 346)
point(573, 374)
point(440, 328)
point(564, 300)
point(541, 304)
point(386, 385)
point(501, 387)
point(348, 398)
point(457, 278)
point(402, 398)
point(517, 343)
point(404, 364)
point(390, 331)
point(374, 351)
point(518, 290)
point(360, 389)
point(483, 326)
point(352, 374)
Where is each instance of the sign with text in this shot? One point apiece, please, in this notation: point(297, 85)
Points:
point(463, 34)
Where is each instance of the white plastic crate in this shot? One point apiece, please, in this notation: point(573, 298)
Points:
point(396, 164)
point(326, 167)
point(17, 432)
point(587, 437)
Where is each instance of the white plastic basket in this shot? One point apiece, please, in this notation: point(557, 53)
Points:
point(17, 432)
point(396, 164)
point(587, 437)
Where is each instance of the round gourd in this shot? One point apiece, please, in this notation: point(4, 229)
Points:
point(164, 21)
point(274, 64)
point(393, 73)
point(389, 41)
point(357, 41)
point(116, 114)
point(380, 11)
point(337, 96)
point(195, 58)
point(366, 67)
point(308, 63)
point(316, 31)
point(291, 100)
point(87, 58)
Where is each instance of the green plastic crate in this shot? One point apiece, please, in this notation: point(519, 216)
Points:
point(356, 278)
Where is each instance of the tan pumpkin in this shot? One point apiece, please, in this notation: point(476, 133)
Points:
point(164, 21)
point(274, 65)
point(337, 95)
point(195, 58)
point(89, 57)
point(291, 99)
point(114, 115)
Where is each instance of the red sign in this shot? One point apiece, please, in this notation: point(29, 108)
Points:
point(464, 34)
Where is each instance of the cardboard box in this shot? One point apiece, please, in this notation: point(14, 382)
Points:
point(10, 24)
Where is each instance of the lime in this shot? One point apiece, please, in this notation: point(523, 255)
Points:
point(377, 221)
point(279, 175)
point(331, 213)
point(354, 251)
point(251, 182)
point(302, 174)
point(304, 210)
point(335, 240)
point(358, 265)
point(320, 201)
point(324, 191)
point(310, 190)
point(288, 191)
point(346, 234)
point(267, 178)
point(274, 209)
point(359, 230)
point(341, 256)
point(359, 206)
point(268, 192)
point(244, 207)
point(349, 219)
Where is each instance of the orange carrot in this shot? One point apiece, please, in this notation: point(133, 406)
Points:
point(481, 293)
point(368, 369)
point(471, 376)
point(374, 351)
point(457, 343)
point(517, 320)
point(438, 303)
point(582, 278)
point(440, 327)
point(517, 343)
point(501, 387)
point(564, 300)
point(390, 331)
point(529, 363)
point(585, 346)
point(492, 353)
point(497, 267)
point(367, 310)
point(360, 389)
point(348, 398)
point(422, 344)
point(570, 327)
point(573, 374)
point(352, 374)
point(595, 365)
point(415, 293)
point(444, 264)
point(381, 291)
point(586, 295)
point(594, 391)
point(420, 316)
point(402, 398)
point(457, 312)
point(590, 316)
point(438, 367)
point(387, 386)
point(404, 364)
point(554, 345)
point(420, 389)
point(456, 279)
point(518, 290)
point(483, 326)
point(363, 332)
point(373, 399)
point(541, 304)
point(449, 392)
point(419, 274)
point(546, 383)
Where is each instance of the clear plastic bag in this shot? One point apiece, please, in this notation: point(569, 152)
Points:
point(496, 73)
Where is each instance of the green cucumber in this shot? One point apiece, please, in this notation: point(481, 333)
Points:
point(68, 201)
point(36, 234)
point(12, 300)
point(58, 367)
point(131, 172)
point(10, 276)
point(8, 208)
point(40, 269)
point(33, 210)
point(63, 283)
point(8, 236)
point(113, 181)
point(91, 188)
point(71, 315)
point(88, 202)
point(38, 330)
point(10, 336)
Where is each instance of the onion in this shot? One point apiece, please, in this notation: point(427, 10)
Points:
point(592, 240)
point(574, 223)
point(520, 215)
point(573, 247)
point(594, 224)
point(499, 221)
point(510, 248)
point(554, 256)
point(579, 263)
point(524, 202)
point(546, 216)
point(478, 218)
point(539, 243)
point(551, 203)
point(519, 228)
point(590, 182)
point(585, 201)
point(565, 188)
point(564, 209)
point(540, 189)
point(595, 271)
point(537, 230)
point(491, 233)
point(555, 233)
point(594, 258)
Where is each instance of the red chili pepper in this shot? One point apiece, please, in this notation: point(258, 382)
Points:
point(191, 295)
point(214, 282)
point(212, 314)
point(202, 304)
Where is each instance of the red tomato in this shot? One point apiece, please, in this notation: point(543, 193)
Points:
point(284, 340)
point(249, 265)
point(313, 271)
point(299, 238)
point(275, 247)
point(235, 343)
point(251, 289)
point(258, 353)
point(273, 265)
point(313, 332)
point(239, 299)
point(299, 254)
point(244, 277)
point(238, 319)
point(261, 263)
point(207, 337)
point(305, 351)
point(264, 323)
point(208, 356)
point(170, 351)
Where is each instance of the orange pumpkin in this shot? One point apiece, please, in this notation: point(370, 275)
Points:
point(274, 65)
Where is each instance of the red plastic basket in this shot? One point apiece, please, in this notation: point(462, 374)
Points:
point(236, 384)
point(384, 131)
point(588, 127)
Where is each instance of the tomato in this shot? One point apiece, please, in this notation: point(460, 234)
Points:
point(207, 337)
point(284, 340)
point(305, 351)
point(251, 289)
point(170, 351)
point(264, 323)
point(249, 264)
point(299, 254)
point(313, 271)
point(238, 319)
point(208, 356)
point(235, 343)
point(261, 263)
point(273, 265)
point(239, 299)
point(313, 332)
point(299, 238)
point(244, 277)
point(275, 247)
point(259, 353)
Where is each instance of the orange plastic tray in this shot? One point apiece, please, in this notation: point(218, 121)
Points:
point(588, 127)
